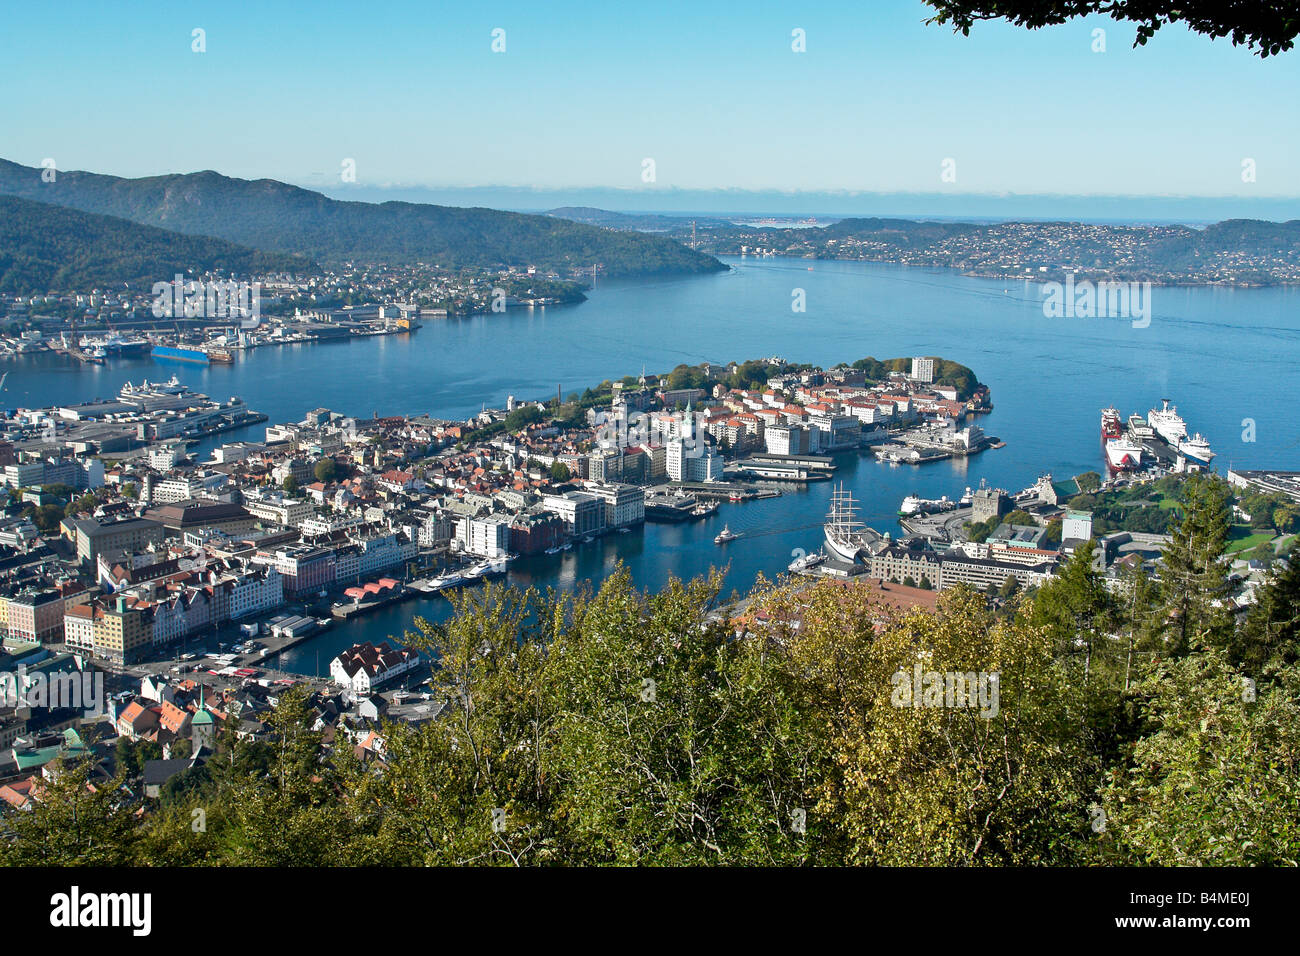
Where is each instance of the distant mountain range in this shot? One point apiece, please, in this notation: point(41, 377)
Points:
point(275, 216)
point(45, 247)
point(837, 204)
point(1237, 252)
point(641, 222)
point(1233, 252)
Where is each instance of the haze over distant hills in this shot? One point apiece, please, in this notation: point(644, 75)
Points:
point(744, 203)
point(45, 247)
point(270, 215)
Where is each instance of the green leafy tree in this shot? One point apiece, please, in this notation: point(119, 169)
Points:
point(71, 822)
point(1216, 782)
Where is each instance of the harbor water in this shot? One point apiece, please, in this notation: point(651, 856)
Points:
point(1214, 351)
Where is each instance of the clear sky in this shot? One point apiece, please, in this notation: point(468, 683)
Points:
point(584, 92)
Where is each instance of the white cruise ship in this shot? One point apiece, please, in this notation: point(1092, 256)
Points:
point(1196, 448)
point(1167, 423)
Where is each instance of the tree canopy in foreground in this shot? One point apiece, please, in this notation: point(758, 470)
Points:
point(1266, 27)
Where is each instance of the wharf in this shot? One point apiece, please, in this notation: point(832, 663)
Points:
point(722, 490)
point(783, 471)
point(807, 462)
point(345, 611)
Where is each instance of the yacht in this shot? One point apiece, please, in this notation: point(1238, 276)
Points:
point(446, 580)
point(725, 535)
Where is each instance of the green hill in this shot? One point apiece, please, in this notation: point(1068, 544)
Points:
point(266, 214)
point(45, 248)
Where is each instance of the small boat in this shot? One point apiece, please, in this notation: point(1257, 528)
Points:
point(806, 562)
point(324, 622)
point(567, 546)
point(624, 530)
point(725, 535)
point(554, 550)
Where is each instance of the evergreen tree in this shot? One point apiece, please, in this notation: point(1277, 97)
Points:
point(1193, 576)
point(1271, 635)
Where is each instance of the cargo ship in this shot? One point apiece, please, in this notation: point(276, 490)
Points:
point(176, 353)
point(221, 356)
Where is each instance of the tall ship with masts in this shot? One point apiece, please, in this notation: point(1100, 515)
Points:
point(846, 536)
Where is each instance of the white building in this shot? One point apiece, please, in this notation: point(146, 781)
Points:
point(624, 504)
point(1076, 524)
point(489, 536)
point(256, 591)
point(288, 512)
point(697, 461)
point(363, 667)
point(382, 551)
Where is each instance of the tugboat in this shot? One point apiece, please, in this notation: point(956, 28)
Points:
point(725, 535)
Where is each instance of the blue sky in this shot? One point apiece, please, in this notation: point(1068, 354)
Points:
point(584, 92)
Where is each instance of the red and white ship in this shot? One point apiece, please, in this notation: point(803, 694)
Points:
point(1111, 424)
point(1123, 454)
